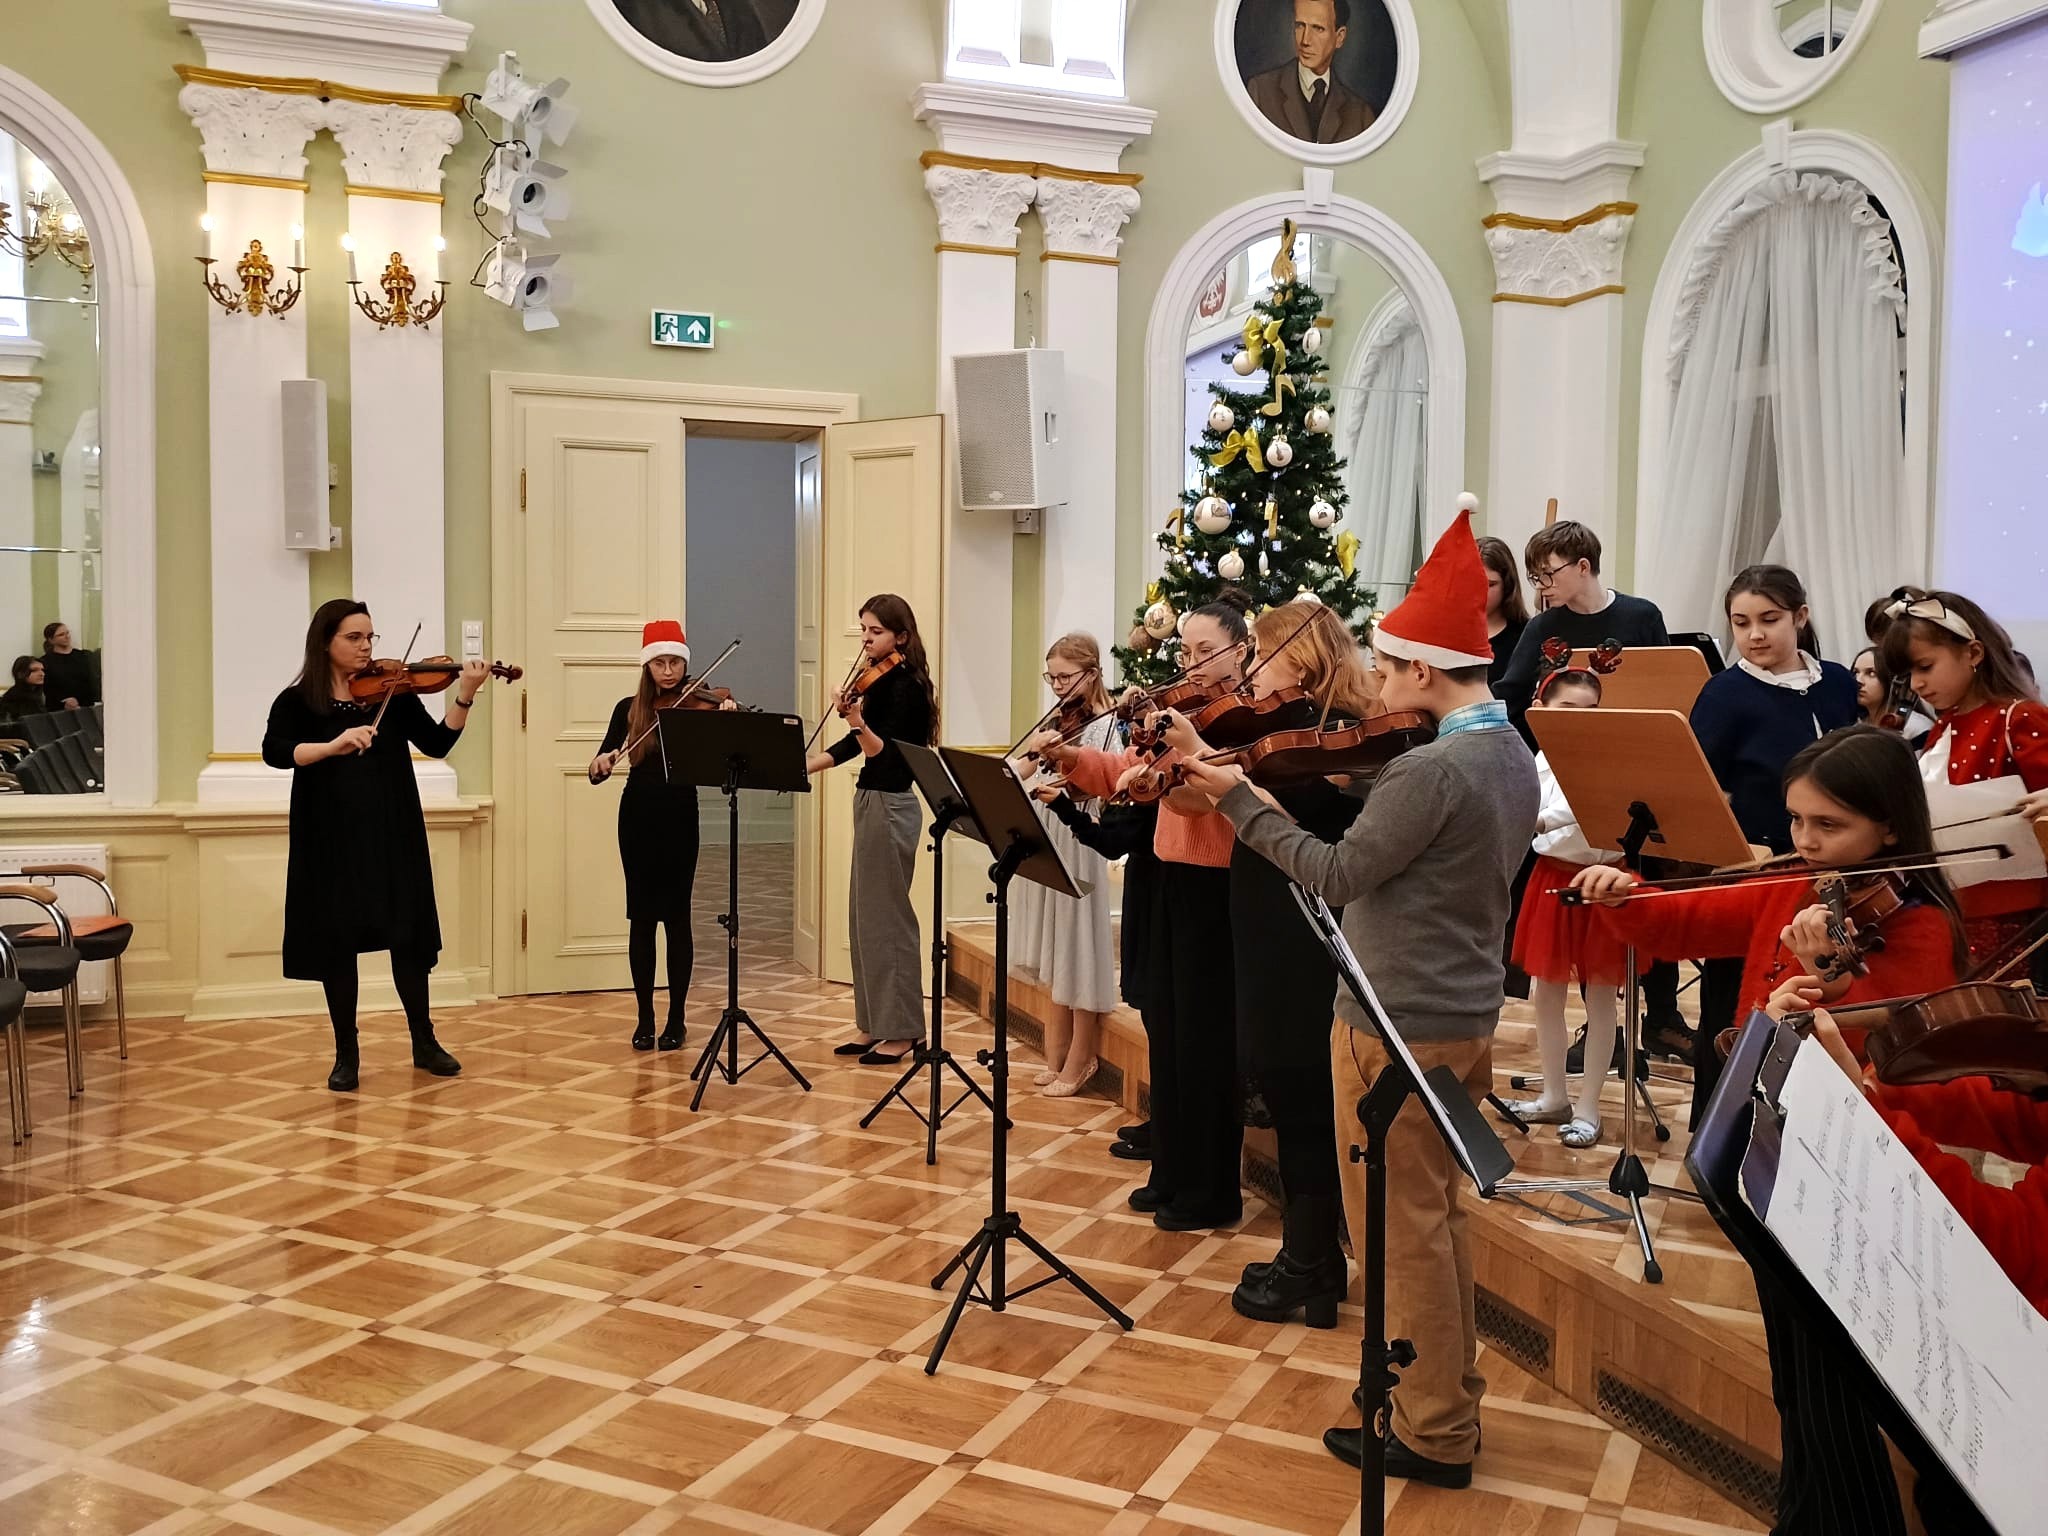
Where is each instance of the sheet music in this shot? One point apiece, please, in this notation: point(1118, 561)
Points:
point(1969, 814)
point(1929, 1308)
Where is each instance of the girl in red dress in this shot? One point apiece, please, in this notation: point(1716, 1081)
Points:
point(1555, 942)
point(1989, 724)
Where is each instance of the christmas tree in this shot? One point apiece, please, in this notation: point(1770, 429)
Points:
point(1265, 517)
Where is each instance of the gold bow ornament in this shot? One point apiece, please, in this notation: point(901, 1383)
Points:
point(1347, 552)
point(1246, 443)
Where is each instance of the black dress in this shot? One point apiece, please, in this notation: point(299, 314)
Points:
point(657, 830)
point(1504, 649)
point(359, 877)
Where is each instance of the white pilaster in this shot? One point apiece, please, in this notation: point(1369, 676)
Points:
point(1083, 221)
point(19, 388)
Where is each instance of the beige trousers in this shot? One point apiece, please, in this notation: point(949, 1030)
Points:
point(1429, 1259)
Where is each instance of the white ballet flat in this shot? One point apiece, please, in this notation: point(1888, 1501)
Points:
point(1580, 1134)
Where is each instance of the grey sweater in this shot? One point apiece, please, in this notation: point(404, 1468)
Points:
point(1423, 876)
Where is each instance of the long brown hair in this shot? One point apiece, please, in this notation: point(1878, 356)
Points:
point(641, 715)
point(315, 681)
point(1495, 555)
point(1874, 773)
point(1084, 651)
point(1999, 674)
point(894, 614)
point(1332, 671)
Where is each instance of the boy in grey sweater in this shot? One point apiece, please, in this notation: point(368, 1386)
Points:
point(1423, 875)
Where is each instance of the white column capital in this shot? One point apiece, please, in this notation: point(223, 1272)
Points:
point(1559, 260)
point(393, 147)
point(247, 132)
point(1084, 218)
point(979, 207)
point(18, 396)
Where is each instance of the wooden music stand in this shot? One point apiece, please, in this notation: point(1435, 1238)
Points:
point(1651, 677)
point(1668, 797)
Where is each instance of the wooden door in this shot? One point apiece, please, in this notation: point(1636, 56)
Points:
point(810, 686)
point(603, 508)
point(884, 525)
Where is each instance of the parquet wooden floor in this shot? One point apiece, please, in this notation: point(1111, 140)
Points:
point(545, 1297)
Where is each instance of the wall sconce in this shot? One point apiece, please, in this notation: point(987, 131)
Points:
point(399, 308)
point(254, 273)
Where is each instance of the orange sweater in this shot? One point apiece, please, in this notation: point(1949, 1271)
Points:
point(1179, 838)
point(1745, 920)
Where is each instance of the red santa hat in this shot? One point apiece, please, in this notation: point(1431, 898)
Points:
point(664, 637)
point(1442, 620)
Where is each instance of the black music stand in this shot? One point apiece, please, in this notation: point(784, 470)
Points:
point(1671, 799)
point(1472, 1142)
point(948, 808)
point(732, 750)
point(1010, 826)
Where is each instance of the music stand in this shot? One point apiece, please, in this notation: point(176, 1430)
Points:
point(1651, 677)
point(1010, 826)
point(1672, 799)
point(733, 750)
point(936, 784)
point(1472, 1143)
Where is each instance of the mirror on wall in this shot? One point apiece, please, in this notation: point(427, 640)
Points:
point(1378, 378)
point(52, 725)
point(1814, 29)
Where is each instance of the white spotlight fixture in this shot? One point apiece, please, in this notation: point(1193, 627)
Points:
point(529, 284)
point(528, 111)
point(529, 191)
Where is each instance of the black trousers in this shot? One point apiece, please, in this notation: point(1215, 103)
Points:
point(1720, 992)
point(1313, 1217)
point(1197, 1142)
point(682, 955)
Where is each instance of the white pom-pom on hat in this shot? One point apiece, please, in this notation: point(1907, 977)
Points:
point(1467, 502)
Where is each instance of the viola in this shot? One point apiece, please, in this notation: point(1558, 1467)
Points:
point(1994, 1030)
point(386, 678)
point(1861, 905)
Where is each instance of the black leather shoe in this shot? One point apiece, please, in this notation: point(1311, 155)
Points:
point(1167, 1219)
point(1288, 1287)
point(1139, 1135)
point(428, 1056)
point(672, 1036)
point(343, 1078)
point(1258, 1269)
point(1145, 1198)
point(1131, 1151)
point(1348, 1446)
point(643, 1035)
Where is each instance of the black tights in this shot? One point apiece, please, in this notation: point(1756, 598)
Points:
point(408, 976)
point(640, 956)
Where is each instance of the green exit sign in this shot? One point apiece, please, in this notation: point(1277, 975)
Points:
point(684, 328)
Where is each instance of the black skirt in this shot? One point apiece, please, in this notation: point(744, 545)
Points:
point(657, 831)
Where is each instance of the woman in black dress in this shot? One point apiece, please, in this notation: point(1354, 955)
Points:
point(657, 831)
point(359, 878)
point(1507, 615)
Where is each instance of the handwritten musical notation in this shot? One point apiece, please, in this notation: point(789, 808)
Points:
point(1929, 1308)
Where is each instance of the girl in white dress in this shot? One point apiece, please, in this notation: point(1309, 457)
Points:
point(1065, 941)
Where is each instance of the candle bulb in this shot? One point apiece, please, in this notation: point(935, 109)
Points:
point(206, 224)
point(348, 243)
point(298, 246)
point(440, 259)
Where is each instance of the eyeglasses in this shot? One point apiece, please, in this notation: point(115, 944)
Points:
point(360, 639)
point(1060, 682)
point(1543, 579)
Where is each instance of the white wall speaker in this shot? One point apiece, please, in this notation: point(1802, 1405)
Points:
point(1007, 409)
point(305, 465)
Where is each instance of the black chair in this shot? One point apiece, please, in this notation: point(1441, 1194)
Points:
point(84, 764)
point(37, 776)
point(13, 998)
point(92, 725)
point(70, 722)
point(41, 730)
point(46, 968)
point(96, 936)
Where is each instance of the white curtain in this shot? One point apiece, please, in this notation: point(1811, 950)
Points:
point(1384, 476)
point(1786, 437)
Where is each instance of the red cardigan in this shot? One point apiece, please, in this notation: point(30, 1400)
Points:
point(2011, 1223)
point(1745, 920)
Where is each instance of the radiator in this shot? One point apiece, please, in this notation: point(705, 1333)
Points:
point(80, 898)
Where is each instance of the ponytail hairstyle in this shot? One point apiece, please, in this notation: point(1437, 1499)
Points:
point(1084, 651)
point(1780, 585)
point(315, 682)
point(1874, 773)
point(1333, 673)
point(1956, 622)
point(894, 614)
point(1231, 609)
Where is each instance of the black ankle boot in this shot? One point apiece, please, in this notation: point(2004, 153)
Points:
point(347, 1063)
point(672, 1037)
point(428, 1055)
point(643, 1035)
point(1289, 1287)
point(1255, 1272)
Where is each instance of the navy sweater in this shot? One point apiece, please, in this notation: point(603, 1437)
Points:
point(1630, 620)
point(1750, 729)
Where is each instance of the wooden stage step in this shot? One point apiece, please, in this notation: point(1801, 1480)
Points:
point(1680, 1366)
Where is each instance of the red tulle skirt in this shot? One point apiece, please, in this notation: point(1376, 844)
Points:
point(1553, 941)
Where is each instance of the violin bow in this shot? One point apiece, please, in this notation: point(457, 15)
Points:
point(1895, 863)
point(390, 693)
point(676, 703)
point(1072, 688)
point(859, 655)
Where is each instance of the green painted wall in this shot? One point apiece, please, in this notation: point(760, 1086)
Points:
point(1886, 93)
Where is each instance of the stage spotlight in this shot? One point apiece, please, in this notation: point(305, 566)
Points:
point(528, 111)
point(538, 194)
point(533, 285)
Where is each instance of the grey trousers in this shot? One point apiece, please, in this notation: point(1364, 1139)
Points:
point(888, 1001)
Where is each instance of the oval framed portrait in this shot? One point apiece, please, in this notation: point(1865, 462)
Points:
point(1325, 81)
point(711, 42)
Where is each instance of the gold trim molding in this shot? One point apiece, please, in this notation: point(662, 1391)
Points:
point(1098, 261)
point(21, 378)
point(237, 179)
point(1556, 226)
point(328, 90)
point(977, 250)
point(932, 157)
point(400, 193)
point(1564, 303)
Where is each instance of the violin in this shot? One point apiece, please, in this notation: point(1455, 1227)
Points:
point(866, 678)
point(1359, 749)
point(1898, 705)
point(1240, 717)
point(1862, 905)
point(383, 679)
point(1143, 713)
point(1995, 1030)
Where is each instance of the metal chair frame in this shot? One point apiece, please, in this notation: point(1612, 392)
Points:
point(98, 878)
point(17, 1033)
